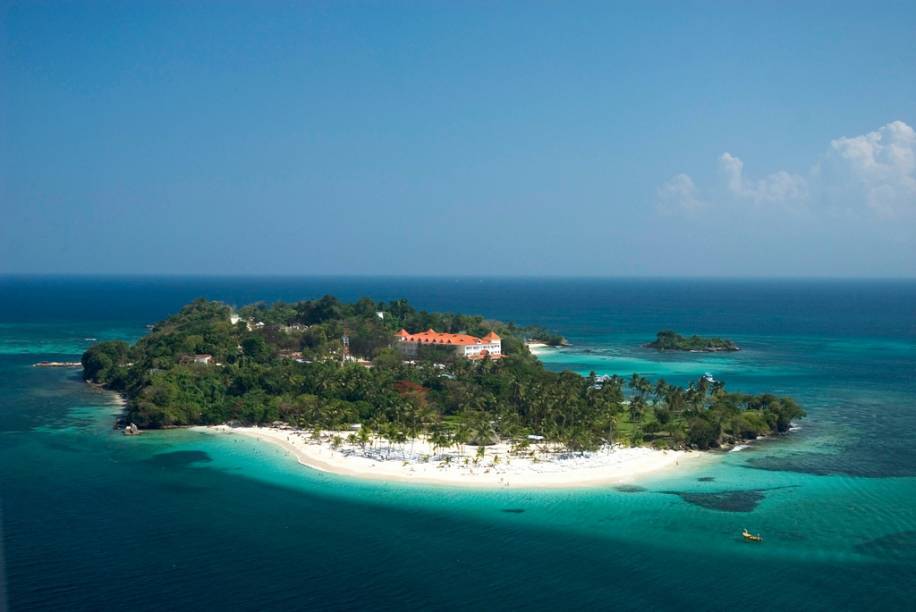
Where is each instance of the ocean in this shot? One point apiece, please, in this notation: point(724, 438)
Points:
point(178, 520)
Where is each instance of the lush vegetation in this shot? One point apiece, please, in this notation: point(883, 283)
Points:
point(668, 340)
point(291, 369)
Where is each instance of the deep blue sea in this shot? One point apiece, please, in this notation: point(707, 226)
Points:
point(178, 520)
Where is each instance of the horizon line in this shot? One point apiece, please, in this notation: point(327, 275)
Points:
point(365, 276)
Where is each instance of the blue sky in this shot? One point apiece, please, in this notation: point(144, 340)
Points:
point(620, 139)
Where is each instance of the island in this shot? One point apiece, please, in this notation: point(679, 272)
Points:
point(382, 390)
point(668, 340)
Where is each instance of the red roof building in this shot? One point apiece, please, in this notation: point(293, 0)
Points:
point(465, 345)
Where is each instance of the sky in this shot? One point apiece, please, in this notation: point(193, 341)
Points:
point(748, 139)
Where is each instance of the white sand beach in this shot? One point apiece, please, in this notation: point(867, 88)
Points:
point(538, 348)
point(416, 461)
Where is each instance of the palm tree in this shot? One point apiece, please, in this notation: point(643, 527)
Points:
point(398, 435)
point(636, 382)
point(362, 436)
point(696, 395)
point(636, 408)
point(674, 398)
point(661, 390)
point(462, 434)
point(439, 438)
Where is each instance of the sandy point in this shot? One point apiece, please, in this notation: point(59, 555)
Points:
point(495, 467)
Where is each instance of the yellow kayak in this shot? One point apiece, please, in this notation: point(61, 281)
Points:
point(750, 537)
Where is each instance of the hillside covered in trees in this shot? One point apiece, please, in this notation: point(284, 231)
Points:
point(283, 362)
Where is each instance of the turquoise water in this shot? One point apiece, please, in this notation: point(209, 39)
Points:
point(182, 520)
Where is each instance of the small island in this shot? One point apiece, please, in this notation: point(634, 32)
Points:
point(668, 340)
point(382, 390)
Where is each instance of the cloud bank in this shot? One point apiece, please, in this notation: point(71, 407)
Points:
point(679, 193)
point(779, 187)
point(871, 175)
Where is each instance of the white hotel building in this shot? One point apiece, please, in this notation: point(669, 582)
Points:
point(469, 347)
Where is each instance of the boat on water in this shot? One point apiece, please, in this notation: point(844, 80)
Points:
point(750, 537)
point(57, 364)
point(708, 377)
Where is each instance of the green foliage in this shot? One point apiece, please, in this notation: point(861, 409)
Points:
point(103, 362)
point(702, 432)
point(255, 347)
point(253, 378)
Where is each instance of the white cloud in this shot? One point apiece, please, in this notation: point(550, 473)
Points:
point(779, 187)
point(874, 173)
point(877, 169)
point(679, 193)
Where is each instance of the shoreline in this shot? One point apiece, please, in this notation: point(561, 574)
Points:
point(416, 461)
point(539, 348)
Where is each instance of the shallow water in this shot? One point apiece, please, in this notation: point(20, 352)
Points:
point(92, 519)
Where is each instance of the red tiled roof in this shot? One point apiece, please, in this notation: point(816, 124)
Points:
point(431, 336)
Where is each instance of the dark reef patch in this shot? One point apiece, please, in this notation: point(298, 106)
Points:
point(179, 459)
point(727, 501)
point(630, 488)
point(513, 510)
point(706, 478)
point(900, 546)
